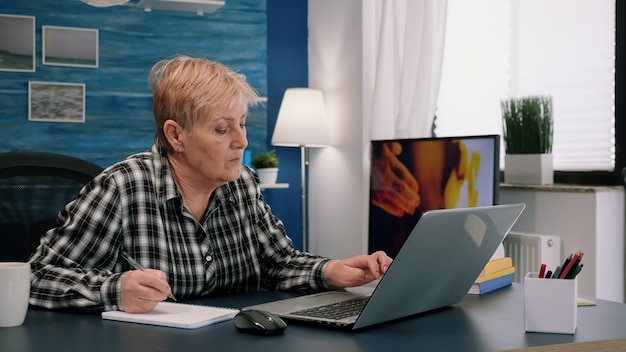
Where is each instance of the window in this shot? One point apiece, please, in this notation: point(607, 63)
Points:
point(564, 48)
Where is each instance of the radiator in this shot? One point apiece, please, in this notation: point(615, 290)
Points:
point(529, 250)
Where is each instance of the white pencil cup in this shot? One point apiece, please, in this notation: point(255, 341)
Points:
point(550, 304)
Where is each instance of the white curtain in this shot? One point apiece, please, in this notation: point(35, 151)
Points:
point(408, 60)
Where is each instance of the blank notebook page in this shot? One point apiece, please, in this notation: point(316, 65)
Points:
point(178, 315)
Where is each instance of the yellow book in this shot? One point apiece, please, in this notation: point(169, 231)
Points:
point(496, 265)
point(507, 271)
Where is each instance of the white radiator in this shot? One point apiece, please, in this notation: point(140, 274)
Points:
point(529, 250)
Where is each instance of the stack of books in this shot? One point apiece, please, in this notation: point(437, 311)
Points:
point(497, 273)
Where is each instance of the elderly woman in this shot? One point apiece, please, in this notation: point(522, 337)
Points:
point(186, 209)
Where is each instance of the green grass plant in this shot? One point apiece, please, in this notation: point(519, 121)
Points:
point(527, 124)
point(265, 160)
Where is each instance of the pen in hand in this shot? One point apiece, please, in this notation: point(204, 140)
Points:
point(138, 266)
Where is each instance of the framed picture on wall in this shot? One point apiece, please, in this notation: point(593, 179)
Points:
point(69, 46)
point(56, 102)
point(17, 43)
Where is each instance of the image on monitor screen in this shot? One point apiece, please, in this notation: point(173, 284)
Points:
point(411, 176)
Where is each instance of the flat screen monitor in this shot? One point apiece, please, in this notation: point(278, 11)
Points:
point(410, 176)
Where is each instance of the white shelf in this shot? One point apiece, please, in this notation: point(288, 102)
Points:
point(198, 6)
point(265, 186)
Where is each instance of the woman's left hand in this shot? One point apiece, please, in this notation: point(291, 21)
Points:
point(356, 271)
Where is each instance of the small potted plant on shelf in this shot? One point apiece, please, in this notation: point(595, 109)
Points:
point(266, 166)
point(528, 133)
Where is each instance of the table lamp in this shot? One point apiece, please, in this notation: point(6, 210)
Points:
point(302, 122)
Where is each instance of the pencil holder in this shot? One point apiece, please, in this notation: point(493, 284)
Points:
point(550, 304)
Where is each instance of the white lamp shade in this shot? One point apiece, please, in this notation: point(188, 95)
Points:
point(302, 119)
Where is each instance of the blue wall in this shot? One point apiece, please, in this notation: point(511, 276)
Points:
point(118, 104)
point(265, 41)
point(287, 66)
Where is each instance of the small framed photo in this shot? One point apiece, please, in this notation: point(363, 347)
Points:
point(69, 46)
point(56, 102)
point(17, 43)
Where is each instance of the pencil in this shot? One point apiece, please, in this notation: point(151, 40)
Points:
point(138, 266)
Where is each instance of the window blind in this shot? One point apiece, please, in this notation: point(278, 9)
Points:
point(563, 48)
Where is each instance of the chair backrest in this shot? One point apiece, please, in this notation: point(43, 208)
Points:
point(34, 188)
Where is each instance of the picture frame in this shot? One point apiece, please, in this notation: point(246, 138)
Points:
point(56, 102)
point(17, 43)
point(69, 46)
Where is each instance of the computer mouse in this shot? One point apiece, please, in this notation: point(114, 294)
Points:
point(259, 322)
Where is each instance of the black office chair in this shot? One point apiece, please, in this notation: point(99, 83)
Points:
point(34, 187)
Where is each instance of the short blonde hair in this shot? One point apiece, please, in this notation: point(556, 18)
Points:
point(186, 89)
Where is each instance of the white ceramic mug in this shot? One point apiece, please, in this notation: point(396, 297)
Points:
point(14, 292)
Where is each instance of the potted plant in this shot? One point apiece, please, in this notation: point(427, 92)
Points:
point(266, 166)
point(528, 134)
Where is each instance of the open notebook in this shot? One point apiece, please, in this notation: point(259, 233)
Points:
point(177, 315)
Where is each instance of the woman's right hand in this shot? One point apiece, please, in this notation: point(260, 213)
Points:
point(142, 290)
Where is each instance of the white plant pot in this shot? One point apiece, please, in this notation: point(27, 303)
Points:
point(268, 175)
point(534, 169)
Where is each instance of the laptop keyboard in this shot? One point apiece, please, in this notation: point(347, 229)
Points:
point(337, 310)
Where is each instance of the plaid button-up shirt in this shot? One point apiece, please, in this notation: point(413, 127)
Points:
point(134, 206)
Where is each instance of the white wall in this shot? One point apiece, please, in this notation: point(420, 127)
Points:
point(339, 64)
point(336, 180)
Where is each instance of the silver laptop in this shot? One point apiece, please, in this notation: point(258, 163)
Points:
point(435, 268)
